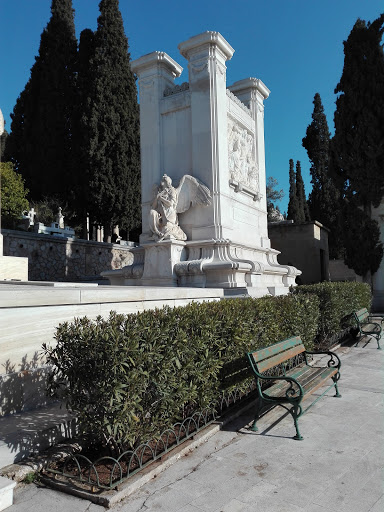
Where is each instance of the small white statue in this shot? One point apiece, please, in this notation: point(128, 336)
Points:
point(170, 201)
point(60, 219)
point(29, 216)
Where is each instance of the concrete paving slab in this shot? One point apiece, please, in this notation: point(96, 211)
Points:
point(338, 466)
point(378, 506)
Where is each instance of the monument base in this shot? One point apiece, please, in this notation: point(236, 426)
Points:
point(13, 268)
point(207, 264)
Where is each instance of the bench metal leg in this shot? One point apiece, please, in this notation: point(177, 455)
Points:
point(259, 407)
point(254, 427)
point(296, 413)
point(335, 379)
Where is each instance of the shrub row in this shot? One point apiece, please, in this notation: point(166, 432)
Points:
point(129, 377)
point(336, 302)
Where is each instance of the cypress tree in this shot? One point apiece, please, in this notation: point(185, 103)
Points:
point(324, 199)
point(82, 128)
point(40, 142)
point(303, 212)
point(111, 119)
point(293, 204)
point(362, 253)
point(358, 143)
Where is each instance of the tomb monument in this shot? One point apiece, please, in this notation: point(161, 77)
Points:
point(204, 210)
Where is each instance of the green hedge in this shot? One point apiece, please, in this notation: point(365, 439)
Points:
point(337, 301)
point(129, 377)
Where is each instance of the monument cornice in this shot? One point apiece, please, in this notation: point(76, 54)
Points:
point(250, 83)
point(209, 38)
point(154, 60)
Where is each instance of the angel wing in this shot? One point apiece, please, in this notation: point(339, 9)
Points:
point(191, 192)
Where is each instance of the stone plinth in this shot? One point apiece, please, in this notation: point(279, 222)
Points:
point(6, 492)
point(214, 134)
point(13, 268)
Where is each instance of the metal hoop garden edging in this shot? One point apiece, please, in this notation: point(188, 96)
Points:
point(81, 469)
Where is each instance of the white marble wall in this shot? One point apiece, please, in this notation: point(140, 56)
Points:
point(29, 315)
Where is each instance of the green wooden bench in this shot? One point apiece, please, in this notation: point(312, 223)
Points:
point(366, 326)
point(280, 382)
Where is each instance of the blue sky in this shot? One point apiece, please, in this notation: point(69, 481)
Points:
point(294, 46)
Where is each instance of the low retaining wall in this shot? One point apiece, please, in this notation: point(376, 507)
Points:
point(52, 258)
point(29, 315)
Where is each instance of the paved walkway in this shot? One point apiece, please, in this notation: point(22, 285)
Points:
point(338, 466)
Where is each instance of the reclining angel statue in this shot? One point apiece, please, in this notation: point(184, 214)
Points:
point(170, 201)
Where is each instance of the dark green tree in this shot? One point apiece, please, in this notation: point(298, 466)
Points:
point(362, 253)
point(40, 142)
point(324, 199)
point(358, 143)
point(13, 196)
point(110, 120)
point(82, 129)
point(303, 212)
point(293, 205)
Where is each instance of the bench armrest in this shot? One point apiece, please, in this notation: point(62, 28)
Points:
point(373, 315)
point(333, 362)
point(371, 320)
point(291, 393)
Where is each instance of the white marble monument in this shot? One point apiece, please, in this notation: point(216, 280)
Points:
point(207, 139)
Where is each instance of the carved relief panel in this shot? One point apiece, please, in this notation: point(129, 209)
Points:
point(243, 168)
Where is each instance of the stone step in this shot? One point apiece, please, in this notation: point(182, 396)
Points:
point(28, 433)
point(6, 492)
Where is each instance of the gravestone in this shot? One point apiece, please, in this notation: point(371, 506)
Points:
point(208, 138)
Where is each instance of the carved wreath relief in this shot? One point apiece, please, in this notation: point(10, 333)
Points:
point(243, 168)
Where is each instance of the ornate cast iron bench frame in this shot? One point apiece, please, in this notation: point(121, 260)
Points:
point(289, 386)
point(366, 326)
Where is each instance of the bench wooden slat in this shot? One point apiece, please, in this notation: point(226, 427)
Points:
point(280, 352)
point(362, 314)
point(265, 353)
point(310, 380)
point(316, 383)
point(371, 328)
point(262, 366)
